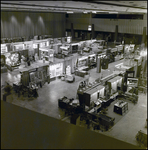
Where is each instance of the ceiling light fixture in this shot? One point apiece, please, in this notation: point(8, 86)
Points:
point(85, 12)
point(94, 12)
point(70, 12)
point(113, 12)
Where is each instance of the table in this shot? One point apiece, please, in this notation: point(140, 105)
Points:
point(121, 107)
point(85, 68)
point(80, 73)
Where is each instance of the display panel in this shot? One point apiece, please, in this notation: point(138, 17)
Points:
point(132, 82)
point(94, 96)
point(4, 48)
point(28, 45)
point(51, 41)
point(68, 39)
point(59, 69)
point(12, 59)
point(130, 74)
point(32, 76)
point(56, 70)
point(18, 47)
point(68, 70)
point(43, 44)
point(82, 61)
point(101, 92)
point(35, 46)
point(114, 87)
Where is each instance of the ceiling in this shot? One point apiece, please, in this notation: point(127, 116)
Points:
point(94, 6)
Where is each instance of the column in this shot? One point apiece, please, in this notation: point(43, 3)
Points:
point(116, 33)
point(98, 64)
point(72, 31)
point(144, 35)
point(93, 31)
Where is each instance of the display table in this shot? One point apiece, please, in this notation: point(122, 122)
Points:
point(84, 68)
point(80, 73)
point(121, 107)
point(11, 68)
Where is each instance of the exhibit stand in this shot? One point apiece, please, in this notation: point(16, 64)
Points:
point(46, 54)
point(81, 66)
point(65, 50)
point(68, 76)
point(38, 75)
point(55, 70)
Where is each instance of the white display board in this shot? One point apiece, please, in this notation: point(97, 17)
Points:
point(68, 70)
point(56, 70)
point(4, 48)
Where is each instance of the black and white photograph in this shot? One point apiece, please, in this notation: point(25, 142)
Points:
point(74, 74)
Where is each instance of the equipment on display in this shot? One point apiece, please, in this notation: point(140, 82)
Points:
point(121, 107)
point(38, 75)
point(74, 47)
point(56, 70)
point(141, 138)
point(98, 46)
point(104, 63)
point(46, 53)
point(99, 64)
point(12, 60)
point(65, 50)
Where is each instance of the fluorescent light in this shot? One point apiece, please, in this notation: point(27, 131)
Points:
point(89, 27)
point(70, 12)
point(94, 12)
point(113, 12)
point(85, 12)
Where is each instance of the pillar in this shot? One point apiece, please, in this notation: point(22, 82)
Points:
point(98, 64)
point(72, 31)
point(93, 31)
point(144, 35)
point(116, 33)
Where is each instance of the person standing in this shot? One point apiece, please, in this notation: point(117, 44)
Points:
point(28, 61)
point(7, 90)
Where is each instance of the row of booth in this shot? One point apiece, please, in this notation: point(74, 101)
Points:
point(11, 52)
point(93, 98)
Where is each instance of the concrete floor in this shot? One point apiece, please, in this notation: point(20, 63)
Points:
point(126, 126)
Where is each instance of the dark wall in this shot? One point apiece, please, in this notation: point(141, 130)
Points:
point(127, 26)
point(17, 24)
point(22, 128)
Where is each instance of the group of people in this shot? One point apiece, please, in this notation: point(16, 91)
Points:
point(28, 60)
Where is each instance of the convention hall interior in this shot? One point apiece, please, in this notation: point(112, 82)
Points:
point(74, 74)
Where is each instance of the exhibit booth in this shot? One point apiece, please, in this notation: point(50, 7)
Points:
point(92, 95)
point(74, 47)
point(69, 39)
point(65, 50)
point(114, 84)
point(82, 66)
point(55, 70)
point(38, 75)
point(47, 54)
